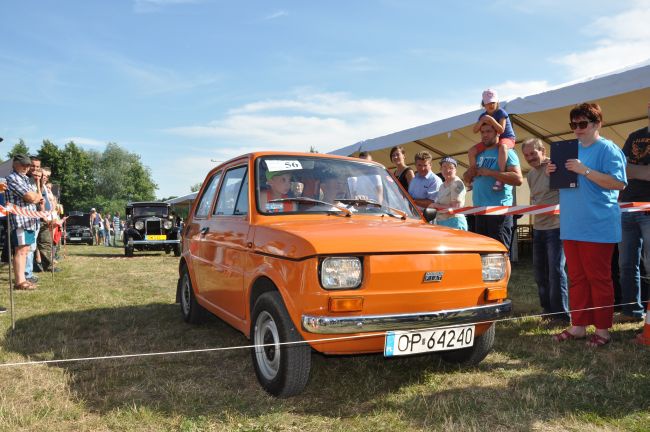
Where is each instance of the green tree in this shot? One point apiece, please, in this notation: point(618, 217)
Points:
point(75, 173)
point(51, 156)
point(196, 187)
point(19, 148)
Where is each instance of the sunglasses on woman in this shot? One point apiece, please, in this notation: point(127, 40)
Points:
point(579, 125)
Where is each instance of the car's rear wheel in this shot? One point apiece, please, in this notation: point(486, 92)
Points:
point(168, 250)
point(191, 310)
point(282, 369)
point(475, 354)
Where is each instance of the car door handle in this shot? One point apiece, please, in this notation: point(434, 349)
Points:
point(204, 231)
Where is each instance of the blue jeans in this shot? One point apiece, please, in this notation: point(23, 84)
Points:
point(29, 262)
point(636, 234)
point(550, 277)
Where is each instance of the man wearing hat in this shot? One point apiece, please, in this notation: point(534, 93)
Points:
point(21, 193)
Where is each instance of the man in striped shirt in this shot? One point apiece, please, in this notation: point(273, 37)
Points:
point(21, 193)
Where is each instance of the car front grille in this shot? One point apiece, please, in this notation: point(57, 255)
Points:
point(153, 227)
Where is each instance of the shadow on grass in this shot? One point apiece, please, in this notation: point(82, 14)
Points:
point(527, 379)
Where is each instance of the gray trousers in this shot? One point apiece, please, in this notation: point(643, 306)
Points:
point(44, 245)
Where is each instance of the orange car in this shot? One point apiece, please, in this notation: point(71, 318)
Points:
point(309, 251)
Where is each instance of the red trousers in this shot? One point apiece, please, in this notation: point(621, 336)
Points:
point(590, 277)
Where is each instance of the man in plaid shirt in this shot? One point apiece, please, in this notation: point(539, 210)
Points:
point(21, 193)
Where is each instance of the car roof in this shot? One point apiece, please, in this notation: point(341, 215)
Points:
point(147, 203)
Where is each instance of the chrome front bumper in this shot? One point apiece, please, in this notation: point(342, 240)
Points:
point(152, 242)
point(379, 323)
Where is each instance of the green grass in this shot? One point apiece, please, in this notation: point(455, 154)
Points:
point(102, 304)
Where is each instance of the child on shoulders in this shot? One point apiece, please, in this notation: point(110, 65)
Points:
point(499, 119)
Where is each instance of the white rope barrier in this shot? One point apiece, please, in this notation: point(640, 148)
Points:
point(314, 341)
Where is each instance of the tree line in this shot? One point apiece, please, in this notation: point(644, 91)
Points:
point(88, 178)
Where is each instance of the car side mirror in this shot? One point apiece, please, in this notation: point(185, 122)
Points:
point(429, 214)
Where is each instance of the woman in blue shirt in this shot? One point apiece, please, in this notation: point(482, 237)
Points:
point(590, 226)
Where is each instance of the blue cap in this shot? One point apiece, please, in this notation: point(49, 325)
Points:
point(449, 159)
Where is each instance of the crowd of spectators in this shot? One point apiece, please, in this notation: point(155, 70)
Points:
point(34, 240)
point(104, 228)
point(582, 238)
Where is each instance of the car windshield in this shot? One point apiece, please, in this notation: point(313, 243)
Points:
point(159, 211)
point(304, 184)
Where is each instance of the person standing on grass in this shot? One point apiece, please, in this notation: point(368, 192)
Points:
point(635, 225)
point(590, 226)
point(116, 227)
point(548, 253)
point(95, 224)
point(21, 193)
point(107, 229)
point(488, 173)
point(3, 188)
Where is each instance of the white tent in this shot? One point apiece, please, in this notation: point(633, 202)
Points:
point(623, 96)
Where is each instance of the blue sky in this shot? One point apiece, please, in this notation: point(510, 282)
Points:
point(184, 83)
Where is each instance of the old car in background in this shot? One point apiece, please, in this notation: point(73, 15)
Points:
point(77, 228)
point(305, 252)
point(150, 226)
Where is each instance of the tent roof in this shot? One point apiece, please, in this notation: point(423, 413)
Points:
point(623, 96)
point(183, 200)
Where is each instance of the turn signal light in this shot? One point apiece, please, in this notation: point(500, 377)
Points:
point(346, 304)
point(496, 293)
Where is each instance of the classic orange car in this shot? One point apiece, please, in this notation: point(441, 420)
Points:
point(309, 251)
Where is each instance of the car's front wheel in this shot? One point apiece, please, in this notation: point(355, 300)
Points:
point(128, 250)
point(191, 310)
point(281, 358)
point(177, 250)
point(475, 354)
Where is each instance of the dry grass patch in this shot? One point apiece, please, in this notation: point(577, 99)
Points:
point(103, 304)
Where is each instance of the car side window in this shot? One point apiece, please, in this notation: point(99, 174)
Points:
point(230, 191)
point(242, 201)
point(203, 209)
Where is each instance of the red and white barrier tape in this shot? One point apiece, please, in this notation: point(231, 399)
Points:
point(22, 211)
point(534, 209)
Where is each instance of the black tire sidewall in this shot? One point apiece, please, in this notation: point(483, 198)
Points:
point(291, 377)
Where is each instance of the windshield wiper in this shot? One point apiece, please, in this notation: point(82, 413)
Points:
point(391, 211)
point(347, 211)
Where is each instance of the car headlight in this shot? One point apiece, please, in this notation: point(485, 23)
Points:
point(341, 272)
point(494, 267)
point(167, 224)
point(139, 225)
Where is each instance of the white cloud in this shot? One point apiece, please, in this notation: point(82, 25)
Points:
point(509, 90)
point(88, 142)
point(325, 121)
point(275, 15)
point(623, 40)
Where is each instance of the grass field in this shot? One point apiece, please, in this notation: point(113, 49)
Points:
point(102, 304)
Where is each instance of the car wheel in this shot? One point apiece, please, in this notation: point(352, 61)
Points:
point(168, 250)
point(177, 250)
point(191, 310)
point(475, 354)
point(128, 251)
point(282, 370)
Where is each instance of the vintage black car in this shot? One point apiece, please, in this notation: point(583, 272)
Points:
point(151, 226)
point(77, 228)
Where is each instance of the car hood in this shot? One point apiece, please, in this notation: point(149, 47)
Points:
point(364, 235)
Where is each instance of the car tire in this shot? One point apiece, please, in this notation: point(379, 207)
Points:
point(475, 354)
point(191, 310)
point(128, 251)
point(168, 250)
point(177, 250)
point(282, 370)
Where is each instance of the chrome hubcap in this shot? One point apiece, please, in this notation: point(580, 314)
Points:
point(268, 356)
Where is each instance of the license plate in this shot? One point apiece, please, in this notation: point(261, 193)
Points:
point(421, 341)
point(157, 237)
point(75, 238)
